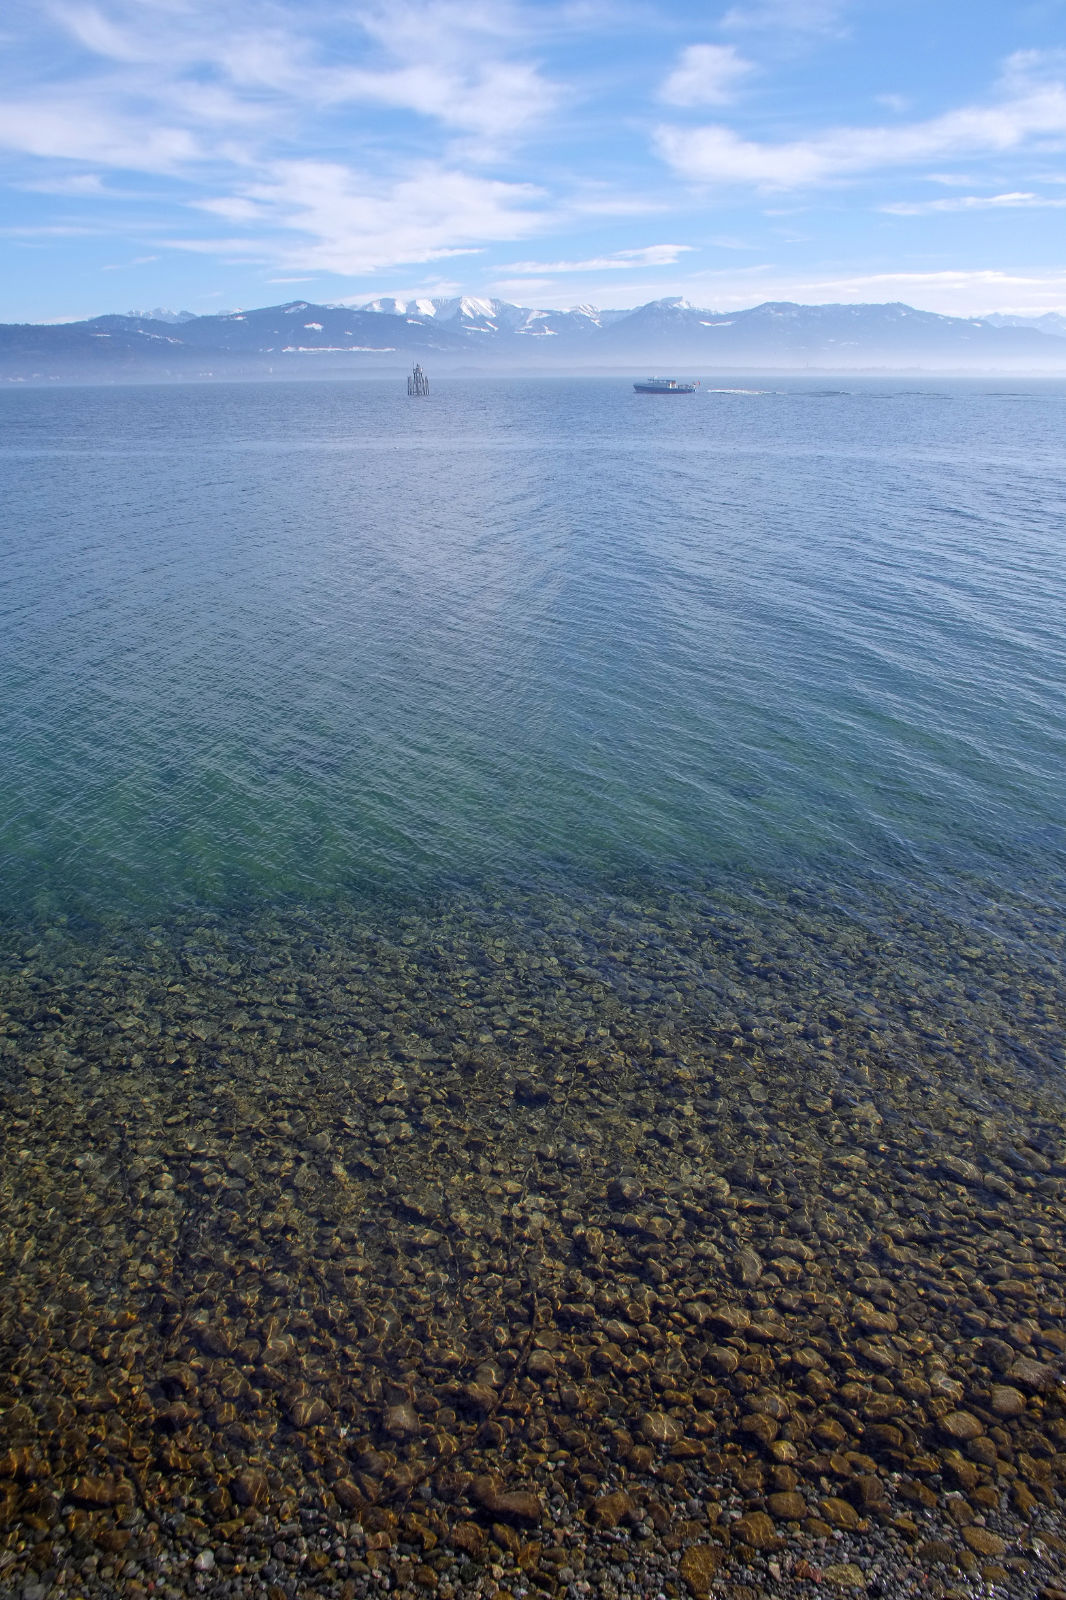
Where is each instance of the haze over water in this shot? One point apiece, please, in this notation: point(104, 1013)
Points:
point(310, 641)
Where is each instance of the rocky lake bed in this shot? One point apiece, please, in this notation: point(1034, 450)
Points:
point(687, 1243)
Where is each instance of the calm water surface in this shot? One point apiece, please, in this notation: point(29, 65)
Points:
point(502, 895)
point(312, 642)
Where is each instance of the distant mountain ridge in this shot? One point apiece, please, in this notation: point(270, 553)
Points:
point(466, 332)
point(1048, 322)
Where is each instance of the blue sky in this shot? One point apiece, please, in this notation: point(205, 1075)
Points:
point(217, 153)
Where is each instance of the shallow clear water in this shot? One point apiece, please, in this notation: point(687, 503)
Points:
point(261, 641)
point(527, 915)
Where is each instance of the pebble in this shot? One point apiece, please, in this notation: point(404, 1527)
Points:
point(475, 1269)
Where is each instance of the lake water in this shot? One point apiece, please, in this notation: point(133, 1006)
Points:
point(418, 816)
point(311, 641)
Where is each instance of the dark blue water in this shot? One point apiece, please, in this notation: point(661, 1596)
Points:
point(317, 640)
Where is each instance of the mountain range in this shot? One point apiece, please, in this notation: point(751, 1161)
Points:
point(469, 334)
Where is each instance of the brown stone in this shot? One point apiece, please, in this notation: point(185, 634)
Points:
point(873, 1321)
point(867, 1491)
point(506, 1538)
point(90, 1491)
point(1031, 1374)
point(757, 1529)
point(1007, 1402)
point(250, 1488)
point(113, 1540)
point(845, 1574)
point(756, 1426)
point(698, 1565)
point(960, 1471)
point(830, 1433)
point(937, 1550)
point(609, 1509)
point(401, 1421)
point(347, 1493)
point(841, 1514)
point(787, 1506)
point(884, 1436)
point(519, 1505)
point(961, 1426)
point(659, 1428)
point(983, 1543)
point(467, 1537)
point(480, 1397)
point(982, 1450)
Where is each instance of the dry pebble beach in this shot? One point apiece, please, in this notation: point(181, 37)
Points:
point(704, 1243)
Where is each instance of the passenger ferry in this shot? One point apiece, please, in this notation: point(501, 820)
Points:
point(665, 386)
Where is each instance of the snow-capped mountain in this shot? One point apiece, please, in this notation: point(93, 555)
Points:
point(473, 315)
point(302, 338)
point(163, 314)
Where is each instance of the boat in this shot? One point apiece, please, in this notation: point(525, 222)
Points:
point(418, 383)
point(665, 386)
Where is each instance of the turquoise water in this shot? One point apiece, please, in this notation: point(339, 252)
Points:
point(477, 869)
point(315, 642)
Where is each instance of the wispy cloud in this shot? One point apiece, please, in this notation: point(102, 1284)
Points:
point(788, 16)
point(328, 217)
point(125, 266)
point(1032, 108)
point(958, 291)
point(77, 185)
point(652, 255)
point(706, 75)
point(974, 202)
point(80, 127)
point(228, 99)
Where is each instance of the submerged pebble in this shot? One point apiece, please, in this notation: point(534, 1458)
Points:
point(734, 1231)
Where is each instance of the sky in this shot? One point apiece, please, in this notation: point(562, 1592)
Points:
point(213, 154)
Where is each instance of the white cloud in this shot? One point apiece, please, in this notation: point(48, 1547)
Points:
point(973, 202)
point(77, 128)
point(229, 99)
point(208, 64)
point(652, 255)
point(326, 217)
point(960, 292)
point(706, 75)
point(1034, 111)
point(495, 101)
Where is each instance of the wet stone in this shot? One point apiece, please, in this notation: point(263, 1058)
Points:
point(659, 1428)
point(459, 1239)
point(1007, 1401)
point(787, 1505)
point(609, 1510)
point(698, 1566)
point(982, 1542)
point(757, 1529)
point(251, 1488)
point(961, 1426)
point(92, 1491)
